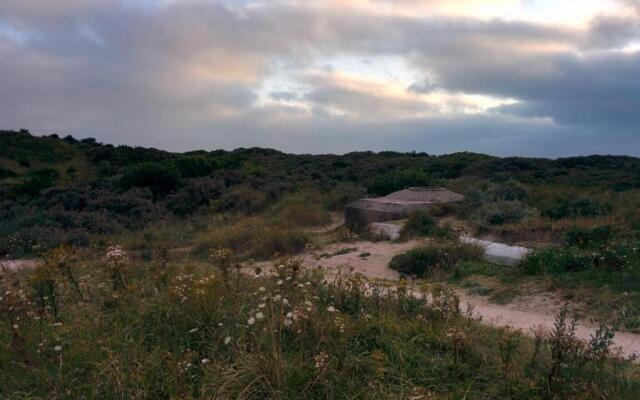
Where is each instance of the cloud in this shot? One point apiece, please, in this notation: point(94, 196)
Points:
point(281, 74)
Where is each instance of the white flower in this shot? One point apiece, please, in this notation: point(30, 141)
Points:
point(194, 330)
point(204, 360)
point(227, 340)
point(277, 297)
point(262, 289)
point(251, 321)
point(15, 326)
point(279, 283)
point(259, 316)
point(261, 305)
point(220, 324)
point(57, 348)
point(331, 309)
point(285, 302)
point(288, 322)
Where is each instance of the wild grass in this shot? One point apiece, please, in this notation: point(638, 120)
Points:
point(181, 331)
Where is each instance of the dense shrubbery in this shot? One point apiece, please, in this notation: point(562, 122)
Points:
point(589, 237)
point(161, 179)
point(250, 181)
point(498, 203)
point(421, 223)
point(616, 256)
point(37, 181)
point(424, 260)
point(398, 180)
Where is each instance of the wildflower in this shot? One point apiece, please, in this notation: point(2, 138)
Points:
point(288, 322)
point(277, 297)
point(251, 321)
point(227, 340)
point(262, 305)
point(15, 326)
point(331, 309)
point(259, 316)
point(57, 348)
point(285, 302)
point(220, 324)
point(321, 360)
point(289, 315)
point(279, 283)
point(58, 324)
point(194, 330)
point(262, 289)
point(204, 360)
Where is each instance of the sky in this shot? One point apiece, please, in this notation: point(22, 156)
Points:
point(504, 77)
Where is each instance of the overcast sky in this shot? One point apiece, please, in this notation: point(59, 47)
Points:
point(504, 77)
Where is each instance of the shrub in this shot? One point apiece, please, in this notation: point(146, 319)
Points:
point(420, 223)
point(195, 194)
point(589, 237)
point(159, 178)
point(398, 180)
point(503, 212)
point(194, 167)
point(242, 198)
point(343, 194)
point(37, 181)
point(570, 206)
point(555, 261)
point(424, 260)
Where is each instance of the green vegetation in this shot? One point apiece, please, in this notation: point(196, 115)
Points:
point(421, 223)
point(85, 326)
point(424, 260)
point(176, 313)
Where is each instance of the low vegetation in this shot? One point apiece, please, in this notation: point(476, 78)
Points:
point(425, 260)
point(82, 326)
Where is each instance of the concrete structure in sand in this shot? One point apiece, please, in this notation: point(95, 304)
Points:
point(397, 205)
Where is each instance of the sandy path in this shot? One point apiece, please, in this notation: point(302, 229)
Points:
point(515, 315)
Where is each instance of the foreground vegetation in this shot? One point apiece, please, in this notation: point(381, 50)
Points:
point(81, 326)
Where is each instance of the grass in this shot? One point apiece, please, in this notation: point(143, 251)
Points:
point(181, 330)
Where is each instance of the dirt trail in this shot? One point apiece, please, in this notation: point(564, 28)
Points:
point(516, 315)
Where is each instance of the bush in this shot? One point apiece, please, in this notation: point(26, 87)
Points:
point(159, 178)
point(555, 261)
point(242, 198)
point(196, 193)
point(503, 212)
point(571, 206)
point(343, 194)
point(37, 181)
point(589, 237)
point(424, 260)
point(398, 180)
point(420, 223)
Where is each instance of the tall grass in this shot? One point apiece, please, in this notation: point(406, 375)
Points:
point(180, 331)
